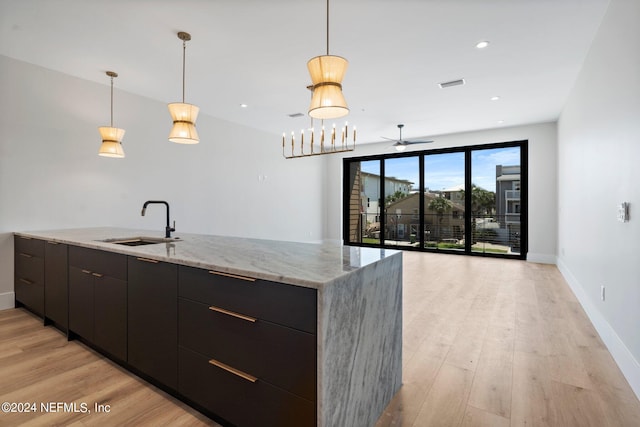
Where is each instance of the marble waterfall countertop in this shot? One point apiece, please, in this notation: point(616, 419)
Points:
point(303, 264)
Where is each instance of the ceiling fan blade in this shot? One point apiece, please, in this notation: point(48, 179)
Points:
point(401, 144)
point(388, 139)
point(417, 142)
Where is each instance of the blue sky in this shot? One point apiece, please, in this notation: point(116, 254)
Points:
point(447, 170)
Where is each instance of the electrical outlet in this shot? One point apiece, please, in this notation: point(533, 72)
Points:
point(602, 292)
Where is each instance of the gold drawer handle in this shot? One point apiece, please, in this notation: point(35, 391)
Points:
point(86, 271)
point(25, 238)
point(52, 243)
point(153, 261)
point(232, 313)
point(234, 371)
point(97, 275)
point(234, 276)
point(25, 281)
point(26, 255)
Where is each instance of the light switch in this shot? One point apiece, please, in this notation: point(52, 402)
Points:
point(623, 212)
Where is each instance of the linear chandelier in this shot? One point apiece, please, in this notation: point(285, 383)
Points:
point(111, 136)
point(184, 115)
point(328, 144)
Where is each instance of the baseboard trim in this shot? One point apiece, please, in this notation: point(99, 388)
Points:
point(629, 366)
point(541, 258)
point(7, 300)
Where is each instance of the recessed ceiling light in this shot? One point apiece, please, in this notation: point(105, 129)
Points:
point(495, 98)
point(482, 44)
point(243, 105)
point(500, 122)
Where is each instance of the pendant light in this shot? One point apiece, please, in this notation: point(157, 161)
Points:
point(327, 72)
point(111, 137)
point(184, 115)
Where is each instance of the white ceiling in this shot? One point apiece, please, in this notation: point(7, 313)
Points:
point(255, 52)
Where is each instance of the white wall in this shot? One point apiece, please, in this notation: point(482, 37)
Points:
point(52, 177)
point(542, 180)
point(599, 154)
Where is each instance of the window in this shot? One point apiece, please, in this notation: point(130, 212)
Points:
point(469, 200)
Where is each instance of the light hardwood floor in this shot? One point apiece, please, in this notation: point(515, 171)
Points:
point(491, 342)
point(487, 342)
point(38, 365)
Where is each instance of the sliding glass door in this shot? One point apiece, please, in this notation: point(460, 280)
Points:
point(469, 200)
point(496, 201)
point(401, 220)
point(444, 211)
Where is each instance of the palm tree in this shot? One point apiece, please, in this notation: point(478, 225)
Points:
point(483, 202)
point(440, 206)
point(395, 197)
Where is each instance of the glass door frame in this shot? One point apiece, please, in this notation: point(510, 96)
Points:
point(468, 150)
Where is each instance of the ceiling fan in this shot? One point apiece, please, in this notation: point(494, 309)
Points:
point(402, 144)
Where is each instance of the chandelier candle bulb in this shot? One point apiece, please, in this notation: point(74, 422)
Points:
point(332, 143)
point(354, 134)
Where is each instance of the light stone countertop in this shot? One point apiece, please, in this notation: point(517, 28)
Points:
point(303, 264)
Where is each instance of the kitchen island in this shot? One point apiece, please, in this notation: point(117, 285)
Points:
point(292, 333)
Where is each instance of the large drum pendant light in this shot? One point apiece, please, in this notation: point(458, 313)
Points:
point(111, 136)
point(184, 115)
point(327, 72)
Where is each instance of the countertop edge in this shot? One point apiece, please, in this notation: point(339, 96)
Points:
point(139, 251)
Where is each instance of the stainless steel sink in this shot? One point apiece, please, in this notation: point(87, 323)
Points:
point(140, 241)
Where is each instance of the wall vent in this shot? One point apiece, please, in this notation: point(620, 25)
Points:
point(452, 83)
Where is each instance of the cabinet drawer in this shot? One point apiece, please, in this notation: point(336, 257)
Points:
point(105, 263)
point(29, 246)
point(288, 305)
point(29, 273)
point(276, 354)
point(238, 400)
point(29, 282)
point(29, 269)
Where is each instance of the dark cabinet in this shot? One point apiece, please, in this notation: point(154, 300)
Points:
point(81, 300)
point(55, 289)
point(241, 401)
point(29, 274)
point(98, 299)
point(241, 348)
point(153, 319)
point(110, 315)
point(247, 348)
point(282, 356)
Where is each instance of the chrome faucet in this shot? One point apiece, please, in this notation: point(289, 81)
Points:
point(167, 229)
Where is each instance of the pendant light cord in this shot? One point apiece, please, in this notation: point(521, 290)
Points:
point(111, 101)
point(184, 53)
point(327, 27)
